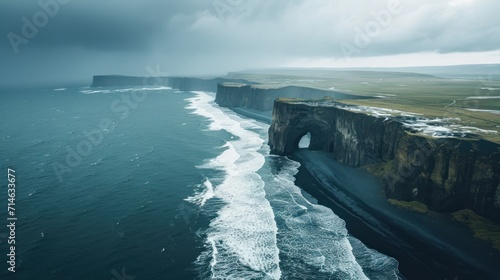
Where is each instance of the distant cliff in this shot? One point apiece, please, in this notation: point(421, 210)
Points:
point(447, 174)
point(118, 80)
point(197, 84)
point(259, 98)
point(180, 83)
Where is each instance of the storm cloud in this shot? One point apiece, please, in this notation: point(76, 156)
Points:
point(78, 39)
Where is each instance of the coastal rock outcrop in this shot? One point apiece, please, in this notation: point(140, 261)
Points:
point(262, 97)
point(180, 83)
point(447, 174)
point(119, 80)
point(198, 84)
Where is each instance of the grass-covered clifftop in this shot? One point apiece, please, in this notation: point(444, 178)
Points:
point(472, 100)
point(446, 173)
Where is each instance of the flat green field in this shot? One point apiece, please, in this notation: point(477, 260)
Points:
point(475, 100)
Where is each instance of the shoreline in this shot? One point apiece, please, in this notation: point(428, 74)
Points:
point(421, 243)
point(261, 116)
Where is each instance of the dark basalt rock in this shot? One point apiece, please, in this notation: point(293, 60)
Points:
point(197, 84)
point(447, 174)
point(251, 97)
point(118, 80)
point(180, 83)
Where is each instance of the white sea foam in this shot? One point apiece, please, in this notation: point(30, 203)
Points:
point(221, 161)
point(89, 91)
point(242, 243)
point(206, 193)
point(143, 89)
point(241, 240)
point(312, 236)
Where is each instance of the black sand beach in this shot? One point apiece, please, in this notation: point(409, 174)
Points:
point(427, 246)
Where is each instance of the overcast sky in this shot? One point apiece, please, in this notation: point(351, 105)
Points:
point(74, 39)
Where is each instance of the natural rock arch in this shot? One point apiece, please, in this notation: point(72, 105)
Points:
point(287, 142)
point(305, 141)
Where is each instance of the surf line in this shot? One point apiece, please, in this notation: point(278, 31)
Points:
point(242, 238)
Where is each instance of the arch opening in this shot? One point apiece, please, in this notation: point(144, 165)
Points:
point(305, 141)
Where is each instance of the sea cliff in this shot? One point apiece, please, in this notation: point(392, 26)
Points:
point(180, 83)
point(261, 98)
point(119, 80)
point(447, 174)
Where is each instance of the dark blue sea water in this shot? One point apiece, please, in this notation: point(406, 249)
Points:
point(153, 183)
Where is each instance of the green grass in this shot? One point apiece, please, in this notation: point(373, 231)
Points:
point(417, 93)
point(483, 228)
point(410, 205)
point(300, 100)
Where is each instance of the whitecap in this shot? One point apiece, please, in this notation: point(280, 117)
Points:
point(134, 89)
point(241, 239)
point(204, 195)
point(314, 239)
point(89, 91)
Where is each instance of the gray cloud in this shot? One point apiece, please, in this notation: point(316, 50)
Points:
point(214, 36)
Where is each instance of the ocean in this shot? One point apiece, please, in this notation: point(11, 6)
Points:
point(154, 183)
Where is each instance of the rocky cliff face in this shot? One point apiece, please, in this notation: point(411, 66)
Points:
point(197, 84)
point(180, 83)
point(447, 174)
point(253, 97)
point(118, 80)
